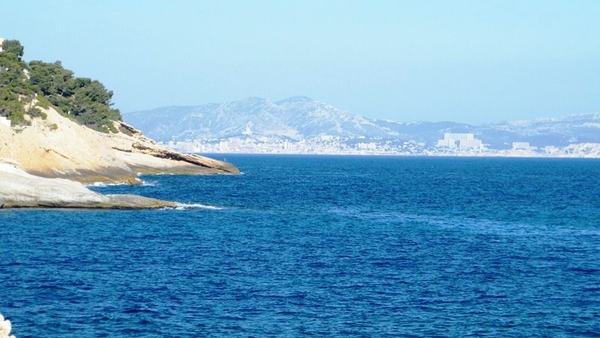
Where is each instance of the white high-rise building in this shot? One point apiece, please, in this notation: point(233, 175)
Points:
point(522, 146)
point(460, 141)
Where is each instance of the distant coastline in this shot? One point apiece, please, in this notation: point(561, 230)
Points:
point(301, 125)
point(585, 150)
point(488, 155)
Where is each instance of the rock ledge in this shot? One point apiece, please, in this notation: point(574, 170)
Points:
point(19, 189)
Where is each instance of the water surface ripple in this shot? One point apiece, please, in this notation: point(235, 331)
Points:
point(319, 246)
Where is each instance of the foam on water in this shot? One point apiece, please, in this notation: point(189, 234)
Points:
point(196, 206)
point(149, 183)
point(103, 184)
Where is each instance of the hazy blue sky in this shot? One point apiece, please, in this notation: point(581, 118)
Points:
point(466, 61)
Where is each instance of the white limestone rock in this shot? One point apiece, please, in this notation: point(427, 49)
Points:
point(19, 189)
point(5, 328)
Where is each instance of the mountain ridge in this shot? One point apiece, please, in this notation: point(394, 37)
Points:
point(300, 117)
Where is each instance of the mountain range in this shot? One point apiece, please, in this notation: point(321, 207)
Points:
point(301, 118)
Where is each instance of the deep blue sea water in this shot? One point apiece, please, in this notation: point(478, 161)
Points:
point(319, 246)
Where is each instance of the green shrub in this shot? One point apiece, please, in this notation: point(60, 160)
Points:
point(84, 100)
point(43, 102)
point(17, 117)
point(34, 112)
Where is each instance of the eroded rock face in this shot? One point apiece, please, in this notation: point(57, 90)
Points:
point(19, 189)
point(60, 148)
point(43, 165)
point(196, 160)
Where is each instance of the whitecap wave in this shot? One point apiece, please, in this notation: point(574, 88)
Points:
point(103, 185)
point(196, 206)
point(149, 183)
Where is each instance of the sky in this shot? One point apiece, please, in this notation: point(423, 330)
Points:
point(465, 61)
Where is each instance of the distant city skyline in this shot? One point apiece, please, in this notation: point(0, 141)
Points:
point(465, 61)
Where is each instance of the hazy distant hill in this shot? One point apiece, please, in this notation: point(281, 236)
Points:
point(294, 118)
point(298, 118)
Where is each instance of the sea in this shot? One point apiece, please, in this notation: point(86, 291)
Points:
point(322, 246)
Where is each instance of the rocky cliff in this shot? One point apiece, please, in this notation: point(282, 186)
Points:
point(44, 164)
point(42, 151)
point(57, 147)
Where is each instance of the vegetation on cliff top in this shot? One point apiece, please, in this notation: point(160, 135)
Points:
point(85, 100)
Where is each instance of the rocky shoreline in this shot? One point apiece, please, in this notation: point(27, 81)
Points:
point(57, 147)
point(45, 164)
point(20, 189)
